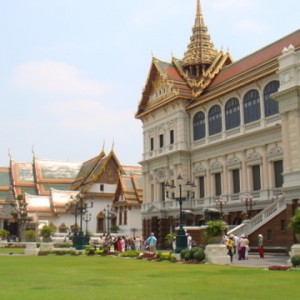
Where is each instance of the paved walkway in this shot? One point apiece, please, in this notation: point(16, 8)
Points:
point(269, 260)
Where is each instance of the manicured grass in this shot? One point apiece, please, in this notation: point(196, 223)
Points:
point(96, 277)
point(12, 250)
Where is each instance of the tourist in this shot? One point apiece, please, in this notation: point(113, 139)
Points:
point(119, 244)
point(242, 247)
point(189, 241)
point(261, 246)
point(151, 240)
point(236, 245)
point(247, 250)
point(137, 243)
point(230, 246)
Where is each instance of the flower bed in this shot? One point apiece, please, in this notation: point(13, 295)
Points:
point(147, 255)
point(107, 253)
point(279, 268)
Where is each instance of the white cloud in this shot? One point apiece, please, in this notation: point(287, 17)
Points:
point(55, 77)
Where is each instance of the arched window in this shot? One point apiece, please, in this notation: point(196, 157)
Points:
point(199, 125)
point(232, 113)
point(251, 106)
point(214, 120)
point(271, 106)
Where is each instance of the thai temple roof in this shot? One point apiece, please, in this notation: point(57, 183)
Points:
point(5, 191)
point(186, 78)
point(48, 185)
point(205, 73)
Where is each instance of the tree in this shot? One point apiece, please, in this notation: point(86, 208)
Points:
point(20, 214)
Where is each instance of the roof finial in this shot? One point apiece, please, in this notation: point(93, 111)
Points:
point(9, 154)
point(199, 16)
point(113, 144)
point(33, 153)
point(200, 50)
point(103, 146)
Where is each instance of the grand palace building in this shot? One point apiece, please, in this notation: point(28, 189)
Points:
point(230, 127)
point(113, 193)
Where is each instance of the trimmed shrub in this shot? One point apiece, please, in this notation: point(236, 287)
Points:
point(199, 255)
point(295, 260)
point(173, 258)
point(163, 255)
point(63, 245)
point(188, 256)
point(196, 253)
point(44, 253)
point(183, 253)
point(130, 253)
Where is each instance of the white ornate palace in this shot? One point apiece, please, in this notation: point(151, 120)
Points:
point(233, 128)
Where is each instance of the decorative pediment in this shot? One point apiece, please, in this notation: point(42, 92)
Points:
point(158, 84)
point(216, 166)
point(199, 169)
point(275, 151)
point(233, 162)
point(253, 158)
point(101, 215)
point(152, 209)
point(163, 83)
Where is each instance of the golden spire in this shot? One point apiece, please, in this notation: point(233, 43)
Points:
point(200, 50)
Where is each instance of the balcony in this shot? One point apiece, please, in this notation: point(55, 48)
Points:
point(233, 201)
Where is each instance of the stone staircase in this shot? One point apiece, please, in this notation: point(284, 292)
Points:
point(271, 211)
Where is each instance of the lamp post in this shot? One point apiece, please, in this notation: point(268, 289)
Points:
point(247, 199)
point(181, 237)
point(78, 205)
point(221, 202)
point(87, 218)
point(109, 211)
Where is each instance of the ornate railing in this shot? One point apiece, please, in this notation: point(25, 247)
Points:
point(261, 218)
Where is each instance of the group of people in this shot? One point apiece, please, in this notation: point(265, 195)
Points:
point(236, 246)
point(120, 243)
point(239, 246)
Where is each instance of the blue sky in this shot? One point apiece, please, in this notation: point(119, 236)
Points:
point(72, 71)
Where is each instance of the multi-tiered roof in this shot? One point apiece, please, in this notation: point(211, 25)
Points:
point(185, 78)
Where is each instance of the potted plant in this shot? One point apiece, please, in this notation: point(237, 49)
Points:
point(169, 238)
point(295, 224)
point(115, 229)
point(30, 235)
point(215, 251)
point(4, 234)
point(214, 231)
point(46, 232)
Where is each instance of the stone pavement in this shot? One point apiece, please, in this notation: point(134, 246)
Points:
point(269, 260)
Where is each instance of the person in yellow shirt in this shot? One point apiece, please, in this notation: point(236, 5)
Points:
point(230, 246)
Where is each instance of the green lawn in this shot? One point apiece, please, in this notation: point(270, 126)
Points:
point(12, 250)
point(96, 277)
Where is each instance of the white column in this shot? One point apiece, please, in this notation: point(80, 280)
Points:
point(285, 141)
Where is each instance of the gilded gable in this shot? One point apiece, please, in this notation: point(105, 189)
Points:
point(111, 174)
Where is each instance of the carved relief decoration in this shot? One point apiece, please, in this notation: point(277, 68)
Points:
point(275, 151)
point(233, 161)
point(215, 165)
point(199, 169)
point(253, 156)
